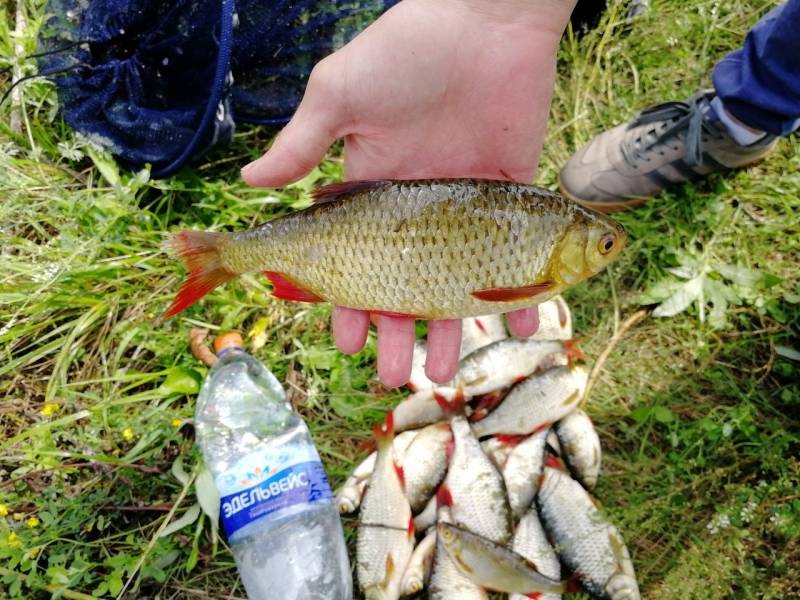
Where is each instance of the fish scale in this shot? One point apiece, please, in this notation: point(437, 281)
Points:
point(426, 248)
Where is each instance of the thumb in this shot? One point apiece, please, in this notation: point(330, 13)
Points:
point(302, 144)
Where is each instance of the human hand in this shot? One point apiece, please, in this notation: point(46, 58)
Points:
point(433, 88)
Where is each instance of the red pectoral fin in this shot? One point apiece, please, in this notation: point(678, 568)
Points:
point(284, 288)
point(511, 294)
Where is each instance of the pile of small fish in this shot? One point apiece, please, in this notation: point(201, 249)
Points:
point(477, 469)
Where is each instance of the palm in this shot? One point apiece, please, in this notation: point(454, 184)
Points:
point(431, 89)
point(461, 100)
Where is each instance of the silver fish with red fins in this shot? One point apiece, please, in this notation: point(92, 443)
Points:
point(584, 539)
point(386, 532)
point(432, 249)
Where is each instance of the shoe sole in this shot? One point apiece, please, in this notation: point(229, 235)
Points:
point(605, 207)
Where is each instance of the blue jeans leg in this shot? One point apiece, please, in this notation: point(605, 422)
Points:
point(760, 82)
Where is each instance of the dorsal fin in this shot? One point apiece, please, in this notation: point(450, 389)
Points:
point(329, 193)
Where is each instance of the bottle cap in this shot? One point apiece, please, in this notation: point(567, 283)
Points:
point(228, 340)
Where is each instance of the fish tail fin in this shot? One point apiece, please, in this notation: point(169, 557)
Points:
point(384, 432)
point(443, 496)
point(199, 252)
point(574, 353)
point(453, 405)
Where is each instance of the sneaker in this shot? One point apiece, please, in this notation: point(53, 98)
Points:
point(667, 144)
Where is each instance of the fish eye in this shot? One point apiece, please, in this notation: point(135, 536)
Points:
point(606, 243)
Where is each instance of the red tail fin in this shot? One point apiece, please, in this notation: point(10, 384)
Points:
point(200, 254)
point(573, 352)
point(384, 432)
point(443, 496)
point(451, 406)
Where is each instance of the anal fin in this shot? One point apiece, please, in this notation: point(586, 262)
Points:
point(285, 288)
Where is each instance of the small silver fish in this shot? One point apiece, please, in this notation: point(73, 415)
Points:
point(426, 518)
point(386, 531)
point(521, 471)
point(492, 565)
point(474, 488)
point(580, 447)
point(552, 442)
point(476, 332)
point(447, 581)
point(587, 543)
point(418, 570)
point(425, 407)
point(348, 497)
point(497, 449)
point(530, 542)
point(505, 362)
point(425, 463)
point(537, 402)
point(555, 320)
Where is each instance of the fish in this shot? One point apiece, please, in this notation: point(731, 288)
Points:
point(476, 332)
point(474, 488)
point(485, 403)
point(553, 445)
point(492, 565)
point(425, 463)
point(418, 380)
point(348, 497)
point(386, 530)
point(426, 518)
point(536, 403)
point(506, 362)
point(555, 320)
point(586, 542)
point(530, 542)
point(521, 471)
point(418, 570)
point(447, 581)
point(428, 249)
point(485, 371)
point(580, 447)
point(426, 407)
point(498, 448)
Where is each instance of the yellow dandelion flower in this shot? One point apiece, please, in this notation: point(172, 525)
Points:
point(18, 516)
point(127, 433)
point(13, 540)
point(3, 510)
point(34, 552)
point(177, 422)
point(32, 522)
point(49, 408)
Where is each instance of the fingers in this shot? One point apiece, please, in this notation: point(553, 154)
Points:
point(350, 328)
point(302, 144)
point(395, 349)
point(444, 346)
point(523, 322)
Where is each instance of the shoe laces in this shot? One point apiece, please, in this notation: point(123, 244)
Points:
point(679, 116)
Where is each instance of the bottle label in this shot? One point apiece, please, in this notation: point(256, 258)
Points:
point(270, 480)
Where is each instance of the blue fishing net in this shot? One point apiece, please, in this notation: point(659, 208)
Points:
point(160, 82)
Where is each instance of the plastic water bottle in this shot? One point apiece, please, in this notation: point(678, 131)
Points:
point(276, 505)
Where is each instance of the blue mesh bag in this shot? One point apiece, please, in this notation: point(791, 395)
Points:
point(160, 82)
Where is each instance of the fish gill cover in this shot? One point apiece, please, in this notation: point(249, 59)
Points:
point(162, 82)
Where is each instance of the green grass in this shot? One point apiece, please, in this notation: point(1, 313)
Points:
point(699, 420)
